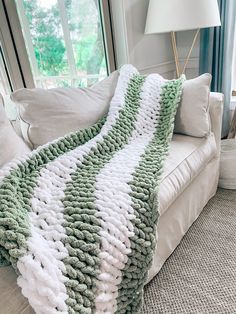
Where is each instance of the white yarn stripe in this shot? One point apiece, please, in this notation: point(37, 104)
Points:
point(113, 200)
point(42, 268)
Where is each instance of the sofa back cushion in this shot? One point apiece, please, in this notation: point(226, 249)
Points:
point(192, 117)
point(47, 114)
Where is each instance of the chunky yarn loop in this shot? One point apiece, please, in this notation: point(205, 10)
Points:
point(78, 215)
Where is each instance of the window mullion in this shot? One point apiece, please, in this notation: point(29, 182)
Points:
point(14, 46)
point(105, 15)
point(9, 51)
point(28, 39)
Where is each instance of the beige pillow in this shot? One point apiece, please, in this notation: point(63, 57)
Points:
point(48, 114)
point(192, 117)
point(11, 145)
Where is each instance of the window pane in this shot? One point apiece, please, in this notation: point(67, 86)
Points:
point(64, 41)
point(86, 36)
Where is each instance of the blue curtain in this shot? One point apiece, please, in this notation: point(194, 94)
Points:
point(216, 55)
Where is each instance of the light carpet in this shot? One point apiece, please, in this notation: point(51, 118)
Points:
point(200, 276)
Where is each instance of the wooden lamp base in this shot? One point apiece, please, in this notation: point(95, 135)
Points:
point(175, 51)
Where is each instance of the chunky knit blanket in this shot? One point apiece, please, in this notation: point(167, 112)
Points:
point(78, 215)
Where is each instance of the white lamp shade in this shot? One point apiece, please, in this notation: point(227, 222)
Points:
point(177, 15)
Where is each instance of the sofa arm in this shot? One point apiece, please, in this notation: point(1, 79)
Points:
point(216, 102)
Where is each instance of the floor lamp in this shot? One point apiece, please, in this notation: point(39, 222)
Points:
point(166, 16)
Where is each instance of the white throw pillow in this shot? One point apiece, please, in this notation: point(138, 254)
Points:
point(11, 145)
point(192, 117)
point(48, 114)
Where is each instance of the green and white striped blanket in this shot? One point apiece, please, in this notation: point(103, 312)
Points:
point(78, 215)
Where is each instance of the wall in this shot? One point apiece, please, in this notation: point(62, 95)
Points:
point(149, 53)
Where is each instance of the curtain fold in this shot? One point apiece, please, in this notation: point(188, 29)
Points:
point(216, 55)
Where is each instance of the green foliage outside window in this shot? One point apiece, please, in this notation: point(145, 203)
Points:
point(48, 42)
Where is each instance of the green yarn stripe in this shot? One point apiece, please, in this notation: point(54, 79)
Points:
point(80, 210)
point(144, 188)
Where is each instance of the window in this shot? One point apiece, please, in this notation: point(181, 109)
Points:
point(64, 41)
point(59, 42)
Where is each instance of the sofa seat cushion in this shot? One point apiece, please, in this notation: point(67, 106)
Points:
point(187, 158)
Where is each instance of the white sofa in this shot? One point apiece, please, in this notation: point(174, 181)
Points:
point(190, 179)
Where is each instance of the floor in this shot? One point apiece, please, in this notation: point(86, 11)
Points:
point(200, 276)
